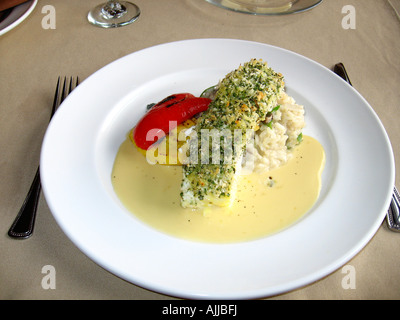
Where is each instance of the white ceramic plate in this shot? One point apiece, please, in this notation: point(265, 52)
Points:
point(83, 138)
point(16, 16)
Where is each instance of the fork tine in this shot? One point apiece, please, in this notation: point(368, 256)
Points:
point(67, 89)
point(56, 96)
point(64, 94)
point(70, 86)
point(61, 94)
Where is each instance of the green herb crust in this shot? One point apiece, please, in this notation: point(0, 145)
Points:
point(243, 100)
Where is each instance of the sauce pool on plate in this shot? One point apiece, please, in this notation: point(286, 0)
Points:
point(265, 203)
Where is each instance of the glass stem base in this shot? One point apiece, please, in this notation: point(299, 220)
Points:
point(114, 14)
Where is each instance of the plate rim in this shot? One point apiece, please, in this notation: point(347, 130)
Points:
point(9, 25)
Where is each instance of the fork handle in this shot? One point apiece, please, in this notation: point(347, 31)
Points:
point(23, 224)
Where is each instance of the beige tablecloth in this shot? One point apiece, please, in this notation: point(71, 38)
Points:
point(32, 57)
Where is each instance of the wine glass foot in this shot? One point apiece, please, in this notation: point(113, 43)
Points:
point(114, 14)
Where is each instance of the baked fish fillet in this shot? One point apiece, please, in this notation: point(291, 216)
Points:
point(242, 101)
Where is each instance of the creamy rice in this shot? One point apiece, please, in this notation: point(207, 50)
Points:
point(273, 143)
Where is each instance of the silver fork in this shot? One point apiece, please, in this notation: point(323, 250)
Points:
point(22, 227)
point(393, 212)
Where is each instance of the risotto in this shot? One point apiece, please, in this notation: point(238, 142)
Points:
point(276, 138)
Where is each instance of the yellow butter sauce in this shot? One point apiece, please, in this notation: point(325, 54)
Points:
point(265, 203)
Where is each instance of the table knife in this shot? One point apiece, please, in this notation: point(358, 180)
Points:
point(393, 213)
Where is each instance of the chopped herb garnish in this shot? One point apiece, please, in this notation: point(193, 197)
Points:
point(300, 137)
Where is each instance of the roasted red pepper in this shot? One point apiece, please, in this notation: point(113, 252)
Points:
point(166, 115)
point(171, 100)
